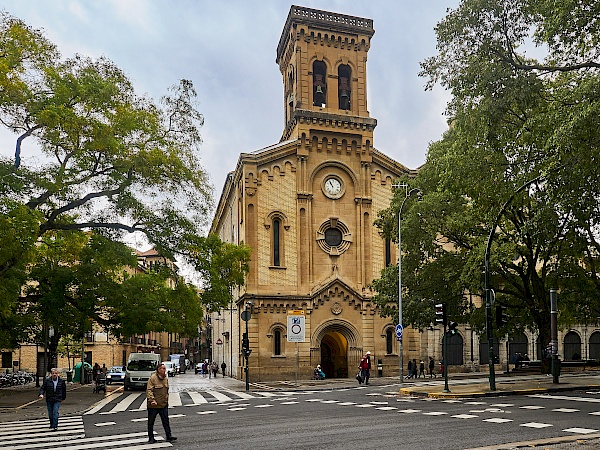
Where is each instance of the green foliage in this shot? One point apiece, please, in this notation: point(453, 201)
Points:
point(113, 162)
point(514, 119)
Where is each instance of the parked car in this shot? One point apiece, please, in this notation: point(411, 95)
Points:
point(171, 369)
point(198, 368)
point(116, 374)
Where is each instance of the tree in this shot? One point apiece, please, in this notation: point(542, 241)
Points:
point(112, 163)
point(514, 119)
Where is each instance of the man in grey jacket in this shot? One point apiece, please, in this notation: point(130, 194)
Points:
point(54, 389)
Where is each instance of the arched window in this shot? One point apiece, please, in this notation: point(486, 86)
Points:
point(484, 356)
point(277, 342)
point(595, 346)
point(455, 350)
point(319, 84)
point(276, 242)
point(572, 346)
point(389, 346)
point(344, 86)
point(517, 343)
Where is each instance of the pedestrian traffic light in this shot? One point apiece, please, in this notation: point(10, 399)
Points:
point(452, 328)
point(440, 313)
point(501, 317)
point(245, 343)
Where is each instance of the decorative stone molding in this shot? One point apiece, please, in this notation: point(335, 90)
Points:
point(336, 308)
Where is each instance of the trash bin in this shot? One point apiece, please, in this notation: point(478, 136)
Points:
point(379, 368)
point(88, 376)
point(69, 376)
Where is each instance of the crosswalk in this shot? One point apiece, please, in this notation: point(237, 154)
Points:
point(121, 401)
point(35, 434)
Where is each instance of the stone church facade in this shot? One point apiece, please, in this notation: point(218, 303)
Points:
point(306, 205)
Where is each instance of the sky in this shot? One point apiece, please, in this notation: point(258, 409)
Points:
point(227, 48)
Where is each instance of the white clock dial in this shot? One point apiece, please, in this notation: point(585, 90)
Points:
point(333, 186)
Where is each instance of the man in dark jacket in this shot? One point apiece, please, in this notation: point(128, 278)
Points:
point(55, 391)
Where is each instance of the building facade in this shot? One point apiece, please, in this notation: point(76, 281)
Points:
point(306, 205)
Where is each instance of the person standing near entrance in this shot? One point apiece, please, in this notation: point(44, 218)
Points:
point(223, 367)
point(157, 395)
point(431, 366)
point(365, 367)
point(54, 389)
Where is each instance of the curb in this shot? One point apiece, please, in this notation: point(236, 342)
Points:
point(478, 394)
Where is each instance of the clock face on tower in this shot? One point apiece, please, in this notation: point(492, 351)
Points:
point(333, 187)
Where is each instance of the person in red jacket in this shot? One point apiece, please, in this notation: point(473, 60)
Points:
point(365, 367)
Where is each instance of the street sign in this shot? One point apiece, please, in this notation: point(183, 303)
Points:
point(296, 326)
point(399, 330)
point(219, 341)
point(246, 315)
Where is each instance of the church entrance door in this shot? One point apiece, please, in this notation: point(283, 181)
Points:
point(334, 355)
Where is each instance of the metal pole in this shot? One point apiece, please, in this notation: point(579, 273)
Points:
point(407, 194)
point(445, 356)
point(246, 356)
point(554, 333)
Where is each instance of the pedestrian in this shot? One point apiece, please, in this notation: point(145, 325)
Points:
point(157, 396)
point(204, 368)
point(223, 367)
point(96, 371)
point(431, 367)
point(415, 369)
point(215, 369)
point(422, 369)
point(365, 368)
point(54, 389)
point(104, 370)
point(409, 370)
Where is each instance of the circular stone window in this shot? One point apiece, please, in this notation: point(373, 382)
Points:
point(334, 237)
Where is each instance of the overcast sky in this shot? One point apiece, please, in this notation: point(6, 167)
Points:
point(228, 49)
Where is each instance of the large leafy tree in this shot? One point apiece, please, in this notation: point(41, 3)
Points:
point(516, 121)
point(106, 160)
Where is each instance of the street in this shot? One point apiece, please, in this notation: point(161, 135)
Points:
point(207, 414)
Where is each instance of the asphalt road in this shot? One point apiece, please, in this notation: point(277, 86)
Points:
point(357, 417)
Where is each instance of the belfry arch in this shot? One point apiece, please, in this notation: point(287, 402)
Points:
point(336, 344)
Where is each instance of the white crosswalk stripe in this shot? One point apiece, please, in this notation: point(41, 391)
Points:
point(136, 401)
point(35, 435)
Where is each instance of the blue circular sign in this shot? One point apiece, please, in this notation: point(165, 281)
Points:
point(399, 329)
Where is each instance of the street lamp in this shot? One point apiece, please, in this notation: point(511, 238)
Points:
point(407, 194)
point(246, 315)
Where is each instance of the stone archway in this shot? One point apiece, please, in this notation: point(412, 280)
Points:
point(334, 345)
point(334, 355)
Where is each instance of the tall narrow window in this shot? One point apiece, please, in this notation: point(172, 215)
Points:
point(388, 252)
point(319, 84)
point(277, 342)
point(276, 247)
point(388, 341)
point(344, 86)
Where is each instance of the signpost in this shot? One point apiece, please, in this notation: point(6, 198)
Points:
point(296, 331)
point(399, 330)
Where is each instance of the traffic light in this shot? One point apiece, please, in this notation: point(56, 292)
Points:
point(501, 317)
point(245, 343)
point(440, 313)
point(452, 328)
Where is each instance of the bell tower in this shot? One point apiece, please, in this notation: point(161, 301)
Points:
point(322, 57)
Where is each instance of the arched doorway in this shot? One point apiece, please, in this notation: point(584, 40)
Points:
point(334, 355)
point(572, 346)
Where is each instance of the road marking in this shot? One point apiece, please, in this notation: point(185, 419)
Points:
point(386, 408)
point(503, 405)
point(580, 430)
point(535, 425)
point(263, 406)
point(465, 416)
point(409, 411)
point(368, 405)
point(532, 407)
point(566, 410)
point(104, 424)
point(235, 409)
point(206, 412)
point(142, 419)
point(347, 403)
point(219, 396)
point(197, 398)
point(174, 399)
point(597, 413)
point(105, 401)
point(435, 413)
point(566, 397)
point(475, 403)
point(123, 404)
point(497, 420)
point(289, 403)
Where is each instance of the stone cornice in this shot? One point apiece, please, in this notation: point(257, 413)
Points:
point(328, 120)
point(325, 19)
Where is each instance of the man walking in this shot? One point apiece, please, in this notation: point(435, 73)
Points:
point(54, 389)
point(157, 395)
point(365, 367)
point(223, 367)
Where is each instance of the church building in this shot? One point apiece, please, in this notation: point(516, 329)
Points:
point(306, 206)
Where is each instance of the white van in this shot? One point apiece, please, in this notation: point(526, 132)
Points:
point(140, 367)
point(170, 366)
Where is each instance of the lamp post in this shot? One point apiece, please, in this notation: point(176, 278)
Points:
point(246, 315)
point(407, 194)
